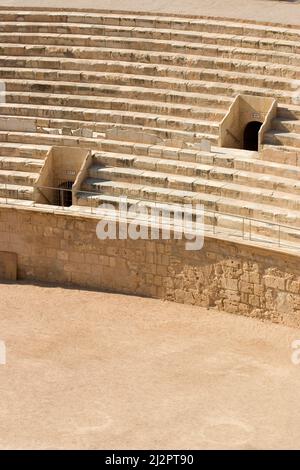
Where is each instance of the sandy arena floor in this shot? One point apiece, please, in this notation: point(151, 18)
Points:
point(94, 370)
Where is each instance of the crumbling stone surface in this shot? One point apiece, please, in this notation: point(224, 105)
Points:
point(236, 278)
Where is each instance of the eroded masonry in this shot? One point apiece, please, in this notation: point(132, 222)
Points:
point(163, 110)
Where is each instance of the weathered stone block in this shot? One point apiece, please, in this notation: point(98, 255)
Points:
point(231, 284)
point(246, 287)
point(293, 286)
point(274, 282)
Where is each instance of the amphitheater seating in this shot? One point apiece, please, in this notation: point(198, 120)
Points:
point(170, 76)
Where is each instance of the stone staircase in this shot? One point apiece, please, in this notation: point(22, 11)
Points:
point(172, 76)
point(233, 186)
point(20, 165)
point(70, 77)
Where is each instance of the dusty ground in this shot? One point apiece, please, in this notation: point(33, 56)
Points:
point(95, 370)
point(264, 10)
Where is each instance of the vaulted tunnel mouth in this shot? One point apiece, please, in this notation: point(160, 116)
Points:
point(251, 135)
point(64, 194)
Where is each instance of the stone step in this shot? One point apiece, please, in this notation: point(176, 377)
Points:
point(165, 90)
point(90, 30)
point(281, 154)
point(88, 59)
point(214, 223)
point(235, 159)
point(21, 178)
point(177, 109)
point(92, 43)
point(290, 112)
point(19, 202)
point(108, 90)
point(221, 157)
point(97, 130)
point(279, 169)
point(14, 122)
point(184, 168)
point(197, 183)
point(104, 120)
point(22, 150)
point(18, 139)
point(28, 165)
point(138, 20)
point(135, 74)
point(16, 192)
point(286, 125)
point(209, 128)
point(209, 116)
point(13, 119)
point(53, 134)
point(289, 139)
point(259, 211)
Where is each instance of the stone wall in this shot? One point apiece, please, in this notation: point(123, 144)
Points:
point(236, 278)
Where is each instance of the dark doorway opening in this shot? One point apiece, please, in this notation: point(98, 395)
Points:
point(251, 135)
point(64, 194)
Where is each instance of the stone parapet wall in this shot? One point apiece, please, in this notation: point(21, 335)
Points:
point(63, 248)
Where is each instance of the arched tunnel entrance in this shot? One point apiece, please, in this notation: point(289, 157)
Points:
point(251, 135)
point(64, 194)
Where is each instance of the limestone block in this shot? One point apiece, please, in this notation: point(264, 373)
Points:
point(244, 297)
point(132, 136)
point(246, 287)
point(244, 309)
point(205, 145)
point(254, 278)
point(283, 303)
point(230, 307)
point(233, 296)
point(293, 286)
point(231, 284)
point(17, 124)
point(258, 289)
point(274, 282)
point(295, 300)
point(254, 300)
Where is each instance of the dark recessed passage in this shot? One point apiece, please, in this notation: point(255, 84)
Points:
point(64, 194)
point(251, 135)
